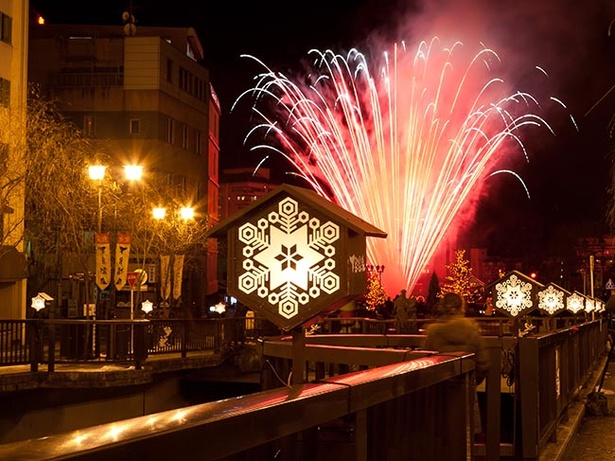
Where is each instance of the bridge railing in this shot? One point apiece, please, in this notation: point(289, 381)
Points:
point(535, 376)
point(425, 402)
point(533, 379)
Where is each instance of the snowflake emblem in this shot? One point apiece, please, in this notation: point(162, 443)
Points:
point(513, 295)
point(589, 305)
point(551, 300)
point(289, 258)
point(575, 303)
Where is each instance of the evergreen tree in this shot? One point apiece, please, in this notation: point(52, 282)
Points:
point(433, 294)
point(459, 277)
point(376, 296)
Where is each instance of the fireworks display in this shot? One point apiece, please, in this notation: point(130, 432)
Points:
point(404, 141)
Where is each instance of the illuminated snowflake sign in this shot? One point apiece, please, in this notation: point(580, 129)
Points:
point(575, 302)
point(551, 299)
point(289, 258)
point(514, 294)
point(589, 305)
point(293, 255)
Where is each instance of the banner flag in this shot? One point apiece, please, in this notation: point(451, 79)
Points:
point(165, 277)
point(178, 272)
point(102, 243)
point(122, 254)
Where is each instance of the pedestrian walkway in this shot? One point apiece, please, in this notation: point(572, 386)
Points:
point(595, 436)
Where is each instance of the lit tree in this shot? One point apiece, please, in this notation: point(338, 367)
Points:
point(459, 277)
point(376, 295)
point(61, 201)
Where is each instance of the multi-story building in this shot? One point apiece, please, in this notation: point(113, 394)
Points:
point(240, 187)
point(13, 83)
point(143, 91)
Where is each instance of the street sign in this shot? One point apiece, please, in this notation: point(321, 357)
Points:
point(132, 278)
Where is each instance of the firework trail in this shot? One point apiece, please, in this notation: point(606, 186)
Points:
point(403, 143)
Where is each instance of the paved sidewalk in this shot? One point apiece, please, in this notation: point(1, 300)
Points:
point(595, 436)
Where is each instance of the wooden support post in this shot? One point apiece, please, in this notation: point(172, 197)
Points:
point(298, 356)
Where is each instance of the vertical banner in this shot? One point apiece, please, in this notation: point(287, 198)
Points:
point(102, 243)
point(122, 254)
point(178, 272)
point(165, 277)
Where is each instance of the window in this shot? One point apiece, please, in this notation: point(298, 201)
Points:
point(135, 126)
point(6, 28)
point(169, 71)
point(5, 92)
point(184, 136)
point(170, 131)
point(89, 125)
point(199, 138)
point(182, 78)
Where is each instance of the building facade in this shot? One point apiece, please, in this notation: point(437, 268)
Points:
point(240, 187)
point(13, 84)
point(143, 94)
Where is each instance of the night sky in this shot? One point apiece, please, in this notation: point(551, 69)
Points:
point(567, 175)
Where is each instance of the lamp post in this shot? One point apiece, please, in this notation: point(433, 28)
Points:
point(378, 268)
point(97, 173)
point(38, 304)
point(185, 214)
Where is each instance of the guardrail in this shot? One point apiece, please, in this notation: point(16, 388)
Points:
point(532, 380)
point(425, 403)
point(535, 377)
point(51, 341)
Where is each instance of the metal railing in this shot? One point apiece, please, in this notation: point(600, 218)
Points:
point(51, 341)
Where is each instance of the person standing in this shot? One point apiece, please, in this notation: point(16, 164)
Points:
point(454, 332)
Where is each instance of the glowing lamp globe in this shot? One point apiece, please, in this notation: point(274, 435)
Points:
point(38, 303)
point(219, 308)
point(147, 306)
point(97, 172)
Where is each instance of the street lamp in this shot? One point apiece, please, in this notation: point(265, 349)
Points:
point(186, 213)
point(39, 302)
point(183, 214)
point(147, 306)
point(378, 268)
point(133, 172)
point(159, 213)
point(97, 173)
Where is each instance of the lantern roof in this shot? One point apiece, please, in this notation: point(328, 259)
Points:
point(308, 196)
